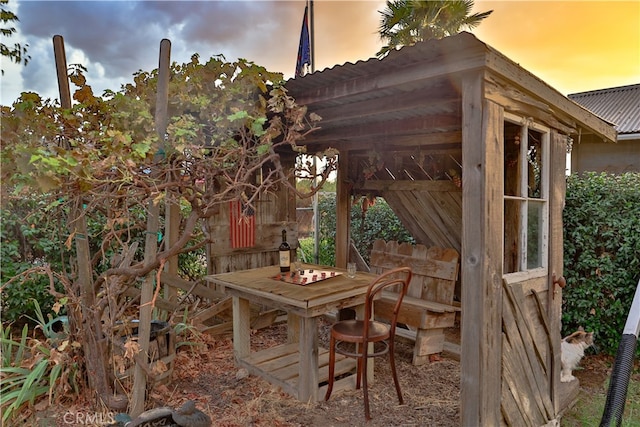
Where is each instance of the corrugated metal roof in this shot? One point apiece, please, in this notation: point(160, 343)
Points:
point(618, 105)
point(416, 92)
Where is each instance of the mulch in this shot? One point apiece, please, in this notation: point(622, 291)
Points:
point(206, 374)
point(233, 398)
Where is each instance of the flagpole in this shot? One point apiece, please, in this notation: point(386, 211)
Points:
point(316, 210)
point(312, 37)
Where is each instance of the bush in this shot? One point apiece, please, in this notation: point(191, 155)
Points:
point(29, 239)
point(376, 222)
point(601, 254)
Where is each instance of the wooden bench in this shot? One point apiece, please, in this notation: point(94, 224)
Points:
point(428, 307)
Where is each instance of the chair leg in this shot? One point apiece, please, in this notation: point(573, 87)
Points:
point(332, 362)
point(367, 414)
point(392, 362)
point(358, 372)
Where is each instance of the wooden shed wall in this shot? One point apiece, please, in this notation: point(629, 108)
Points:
point(430, 210)
point(447, 99)
point(274, 211)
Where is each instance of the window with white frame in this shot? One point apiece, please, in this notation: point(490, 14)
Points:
point(526, 195)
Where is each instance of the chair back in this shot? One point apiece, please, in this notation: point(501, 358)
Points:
point(396, 280)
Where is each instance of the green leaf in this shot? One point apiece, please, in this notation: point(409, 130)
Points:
point(239, 115)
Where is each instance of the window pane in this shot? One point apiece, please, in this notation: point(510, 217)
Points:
point(512, 236)
point(534, 166)
point(535, 234)
point(512, 179)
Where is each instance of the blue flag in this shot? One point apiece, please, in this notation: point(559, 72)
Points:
point(304, 49)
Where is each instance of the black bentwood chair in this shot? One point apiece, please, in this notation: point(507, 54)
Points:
point(362, 333)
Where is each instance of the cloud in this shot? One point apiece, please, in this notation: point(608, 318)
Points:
point(115, 39)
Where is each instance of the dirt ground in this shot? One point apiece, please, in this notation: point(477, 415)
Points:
point(207, 375)
point(431, 392)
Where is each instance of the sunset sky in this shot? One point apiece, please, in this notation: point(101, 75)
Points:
point(574, 46)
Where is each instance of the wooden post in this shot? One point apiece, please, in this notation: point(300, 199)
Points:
point(61, 71)
point(343, 211)
point(481, 258)
point(557, 191)
point(144, 325)
point(172, 208)
point(93, 343)
point(151, 244)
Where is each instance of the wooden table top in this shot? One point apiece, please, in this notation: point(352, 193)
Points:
point(260, 283)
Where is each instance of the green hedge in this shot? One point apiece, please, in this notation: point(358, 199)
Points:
point(601, 254)
point(601, 248)
point(28, 239)
point(377, 222)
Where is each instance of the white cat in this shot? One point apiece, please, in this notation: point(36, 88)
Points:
point(573, 347)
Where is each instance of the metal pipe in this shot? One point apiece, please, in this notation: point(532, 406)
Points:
point(622, 366)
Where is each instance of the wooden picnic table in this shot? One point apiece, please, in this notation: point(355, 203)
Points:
point(298, 366)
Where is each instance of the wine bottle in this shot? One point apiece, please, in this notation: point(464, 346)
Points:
point(285, 253)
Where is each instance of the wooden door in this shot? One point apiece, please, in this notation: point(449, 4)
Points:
point(532, 257)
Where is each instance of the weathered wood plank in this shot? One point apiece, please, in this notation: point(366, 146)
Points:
point(241, 329)
point(196, 289)
point(161, 303)
point(532, 378)
point(537, 349)
point(556, 262)
point(563, 108)
point(482, 190)
point(516, 393)
point(420, 266)
point(428, 303)
point(343, 211)
point(222, 328)
point(398, 185)
point(202, 316)
point(264, 319)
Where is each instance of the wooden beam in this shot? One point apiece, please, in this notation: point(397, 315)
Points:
point(397, 185)
point(519, 103)
point(562, 106)
point(196, 289)
point(433, 139)
point(557, 191)
point(343, 211)
point(214, 310)
point(161, 303)
point(418, 103)
point(481, 262)
point(375, 129)
point(172, 206)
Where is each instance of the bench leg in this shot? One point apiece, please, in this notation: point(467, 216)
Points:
point(428, 341)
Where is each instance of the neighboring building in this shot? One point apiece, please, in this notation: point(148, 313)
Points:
point(621, 107)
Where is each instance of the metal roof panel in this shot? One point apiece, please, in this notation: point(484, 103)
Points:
point(618, 105)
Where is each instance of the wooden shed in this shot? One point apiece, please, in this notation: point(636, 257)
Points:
point(468, 148)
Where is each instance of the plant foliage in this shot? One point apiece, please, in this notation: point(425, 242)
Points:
point(406, 22)
point(35, 369)
point(16, 53)
point(103, 168)
point(601, 254)
point(370, 221)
